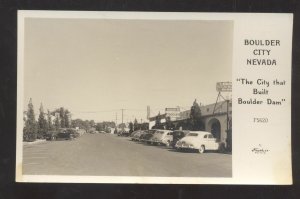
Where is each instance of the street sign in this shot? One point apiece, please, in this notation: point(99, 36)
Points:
point(224, 86)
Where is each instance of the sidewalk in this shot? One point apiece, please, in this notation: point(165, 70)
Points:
point(34, 142)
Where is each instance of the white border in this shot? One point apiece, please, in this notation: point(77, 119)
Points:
point(237, 18)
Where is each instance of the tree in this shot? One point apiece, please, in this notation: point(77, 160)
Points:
point(100, 126)
point(195, 117)
point(49, 120)
point(30, 130)
point(158, 124)
point(130, 127)
point(66, 118)
point(169, 124)
point(57, 122)
point(122, 126)
point(42, 123)
point(92, 123)
point(135, 125)
point(62, 117)
point(145, 126)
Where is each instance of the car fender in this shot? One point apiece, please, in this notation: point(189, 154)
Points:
point(197, 145)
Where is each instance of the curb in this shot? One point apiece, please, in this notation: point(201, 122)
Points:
point(35, 142)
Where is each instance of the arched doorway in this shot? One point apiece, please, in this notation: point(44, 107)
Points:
point(215, 128)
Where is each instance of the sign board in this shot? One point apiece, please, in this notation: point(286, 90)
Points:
point(224, 86)
point(173, 113)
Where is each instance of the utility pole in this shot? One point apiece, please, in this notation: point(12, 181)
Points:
point(116, 119)
point(122, 114)
point(148, 112)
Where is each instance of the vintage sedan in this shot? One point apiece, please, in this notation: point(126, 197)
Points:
point(56, 135)
point(135, 134)
point(164, 137)
point(146, 137)
point(199, 140)
point(139, 136)
point(51, 135)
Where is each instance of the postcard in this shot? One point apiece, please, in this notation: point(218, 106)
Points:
point(154, 97)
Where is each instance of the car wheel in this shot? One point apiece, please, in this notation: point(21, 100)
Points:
point(168, 144)
point(202, 149)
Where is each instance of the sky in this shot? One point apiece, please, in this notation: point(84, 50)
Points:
point(96, 67)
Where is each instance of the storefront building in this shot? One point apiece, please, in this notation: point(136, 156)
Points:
point(216, 118)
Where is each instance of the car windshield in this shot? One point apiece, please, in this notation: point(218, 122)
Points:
point(160, 132)
point(192, 134)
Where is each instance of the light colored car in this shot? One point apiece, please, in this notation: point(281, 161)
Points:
point(164, 137)
point(199, 140)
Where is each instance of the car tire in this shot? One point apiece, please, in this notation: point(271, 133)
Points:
point(202, 149)
point(168, 144)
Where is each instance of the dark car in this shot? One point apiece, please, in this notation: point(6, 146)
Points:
point(177, 135)
point(51, 135)
point(123, 133)
point(64, 136)
point(61, 135)
point(140, 136)
point(147, 136)
point(75, 133)
point(137, 135)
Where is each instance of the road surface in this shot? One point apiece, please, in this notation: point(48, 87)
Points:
point(110, 155)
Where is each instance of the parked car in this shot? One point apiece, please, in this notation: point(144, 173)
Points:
point(141, 136)
point(59, 135)
point(134, 134)
point(198, 140)
point(64, 136)
point(51, 135)
point(74, 132)
point(177, 135)
point(123, 133)
point(164, 137)
point(147, 137)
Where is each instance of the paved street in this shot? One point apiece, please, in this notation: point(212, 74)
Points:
point(109, 155)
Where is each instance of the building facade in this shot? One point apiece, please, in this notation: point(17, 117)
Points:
point(216, 118)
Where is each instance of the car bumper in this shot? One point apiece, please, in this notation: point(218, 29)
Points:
point(155, 141)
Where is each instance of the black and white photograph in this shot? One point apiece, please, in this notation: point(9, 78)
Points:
point(125, 97)
point(163, 98)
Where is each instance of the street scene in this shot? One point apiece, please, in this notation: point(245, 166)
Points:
point(110, 155)
point(127, 98)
